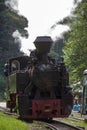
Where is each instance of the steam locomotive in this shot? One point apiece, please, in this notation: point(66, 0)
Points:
point(37, 86)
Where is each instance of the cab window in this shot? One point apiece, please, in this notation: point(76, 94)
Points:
point(15, 65)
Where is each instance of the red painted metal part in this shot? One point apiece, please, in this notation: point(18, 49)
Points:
point(45, 109)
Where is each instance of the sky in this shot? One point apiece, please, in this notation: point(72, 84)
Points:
point(41, 15)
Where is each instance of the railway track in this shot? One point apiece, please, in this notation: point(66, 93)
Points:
point(7, 111)
point(58, 125)
point(53, 124)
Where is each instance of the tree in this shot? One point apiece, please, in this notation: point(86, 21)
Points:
point(10, 44)
point(76, 47)
point(75, 41)
point(57, 47)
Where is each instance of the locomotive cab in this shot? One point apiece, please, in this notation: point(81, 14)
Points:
point(13, 69)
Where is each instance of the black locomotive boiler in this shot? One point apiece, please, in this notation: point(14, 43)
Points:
point(38, 88)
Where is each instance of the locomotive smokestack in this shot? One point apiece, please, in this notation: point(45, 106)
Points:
point(43, 44)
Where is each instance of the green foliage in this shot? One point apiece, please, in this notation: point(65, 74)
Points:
point(56, 50)
point(76, 46)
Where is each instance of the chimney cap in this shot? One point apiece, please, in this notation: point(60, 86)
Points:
point(43, 39)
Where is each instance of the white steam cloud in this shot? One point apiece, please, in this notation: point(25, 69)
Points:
point(12, 4)
point(17, 36)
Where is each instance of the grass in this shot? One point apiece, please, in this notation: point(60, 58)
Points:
point(10, 123)
point(75, 120)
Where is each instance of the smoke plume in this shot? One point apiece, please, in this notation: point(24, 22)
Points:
point(17, 36)
point(12, 4)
